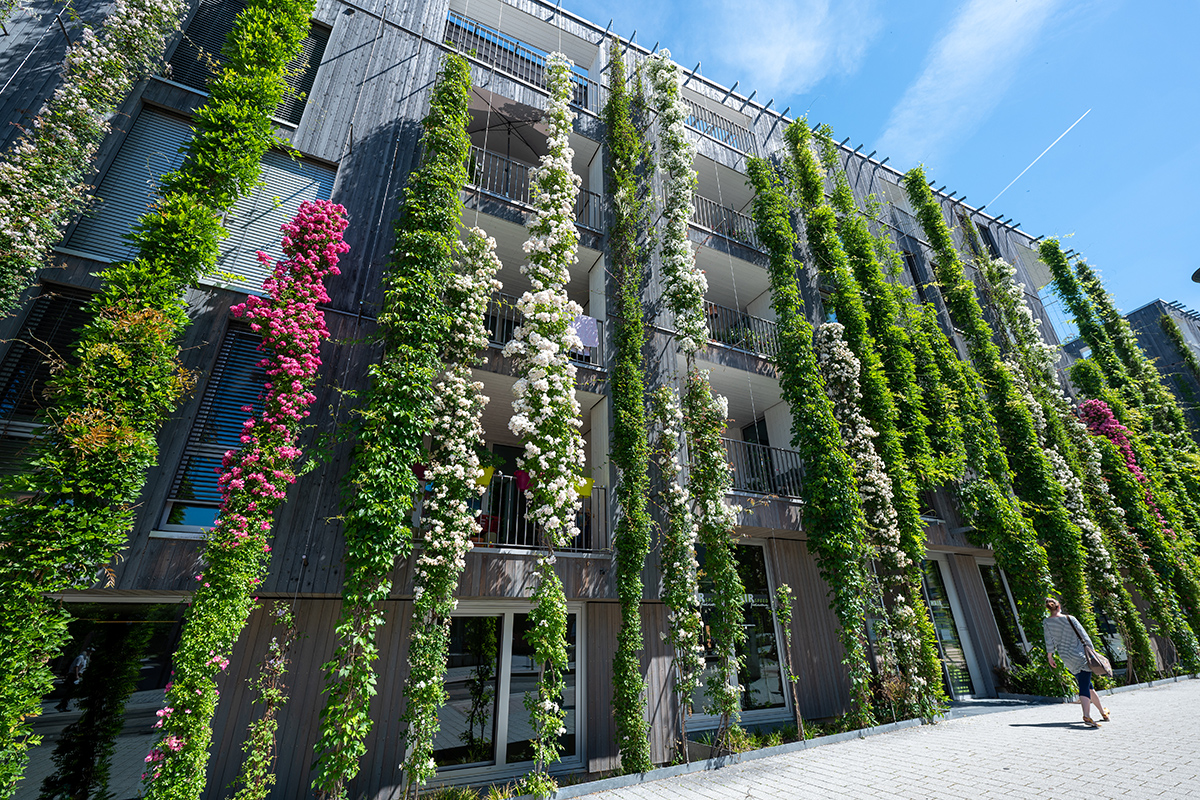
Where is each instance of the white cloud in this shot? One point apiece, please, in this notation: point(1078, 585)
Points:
point(784, 47)
point(964, 76)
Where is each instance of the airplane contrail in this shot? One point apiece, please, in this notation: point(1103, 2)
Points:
point(1031, 163)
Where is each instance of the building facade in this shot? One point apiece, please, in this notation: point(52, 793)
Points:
point(362, 88)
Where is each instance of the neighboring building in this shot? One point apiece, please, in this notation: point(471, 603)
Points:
point(1166, 356)
point(365, 76)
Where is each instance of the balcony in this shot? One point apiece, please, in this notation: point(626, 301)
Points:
point(503, 520)
point(725, 222)
point(508, 178)
point(758, 469)
point(503, 317)
point(741, 331)
point(512, 57)
point(714, 126)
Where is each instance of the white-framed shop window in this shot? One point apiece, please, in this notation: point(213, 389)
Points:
point(484, 727)
point(1004, 607)
point(765, 696)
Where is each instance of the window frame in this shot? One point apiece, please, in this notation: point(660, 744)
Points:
point(700, 721)
point(500, 769)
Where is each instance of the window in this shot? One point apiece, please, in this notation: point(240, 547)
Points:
point(199, 55)
point(914, 271)
point(989, 241)
point(761, 674)
point(1004, 611)
point(236, 382)
point(49, 330)
point(489, 671)
point(150, 150)
point(939, 600)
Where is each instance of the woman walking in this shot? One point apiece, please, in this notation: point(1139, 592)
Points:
point(1066, 637)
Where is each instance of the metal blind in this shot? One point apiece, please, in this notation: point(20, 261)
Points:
point(150, 150)
point(50, 328)
point(254, 221)
point(199, 54)
point(236, 382)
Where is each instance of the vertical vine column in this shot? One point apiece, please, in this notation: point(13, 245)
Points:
point(833, 515)
point(447, 519)
point(253, 485)
point(704, 415)
point(41, 177)
point(631, 447)
point(677, 559)
point(396, 411)
point(1041, 494)
point(916, 646)
point(546, 413)
point(69, 514)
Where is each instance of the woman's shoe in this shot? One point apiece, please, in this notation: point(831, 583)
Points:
point(1091, 723)
point(1104, 715)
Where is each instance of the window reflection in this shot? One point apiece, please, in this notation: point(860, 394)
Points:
point(467, 722)
point(524, 679)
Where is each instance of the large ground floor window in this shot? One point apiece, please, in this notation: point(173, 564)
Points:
point(761, 674)
point(490, 670)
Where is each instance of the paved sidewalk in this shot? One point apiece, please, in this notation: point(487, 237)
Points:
point(1150, 749)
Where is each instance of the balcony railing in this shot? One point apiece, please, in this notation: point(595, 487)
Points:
point(741, 331)
point(503, 317)
point(726, 222)
point(508, 178)
point(514, 57)
point(725, 131)
point(764, 470)
point(504, 522)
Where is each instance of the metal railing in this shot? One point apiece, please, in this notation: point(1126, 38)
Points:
point(723, 221)
point(740, 330)
point(514, 57)
point(725, 131)
point(503, 317)
point(509, 178)
point(504, 522)
point(764, 470)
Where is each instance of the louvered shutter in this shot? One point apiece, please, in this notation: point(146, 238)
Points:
point(235, 383)
point(254, 221)
point(198, 56)
point(50, 328)
point(150, 150)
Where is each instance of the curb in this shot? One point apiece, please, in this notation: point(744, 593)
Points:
point(622, 781)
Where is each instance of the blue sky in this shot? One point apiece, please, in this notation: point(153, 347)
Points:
point(975, 91)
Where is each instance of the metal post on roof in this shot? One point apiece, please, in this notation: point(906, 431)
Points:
point(881, 163)
point(748, 99)
point(764, 108)
point(693, 74)
point(731, 89)
point(873, 152)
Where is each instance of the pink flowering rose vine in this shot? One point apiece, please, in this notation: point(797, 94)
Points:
point(1101, 421)
point(253, 484)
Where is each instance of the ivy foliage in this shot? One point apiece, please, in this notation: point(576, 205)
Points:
point(394, 414)
point(836, 244)
point(1066, 444)
point(71, 512)
point(42, 177)
point(1171, 329)
point(986, 489)
point(1042, 496)
point(833, 516)
point(630, 439)
point(945, 428)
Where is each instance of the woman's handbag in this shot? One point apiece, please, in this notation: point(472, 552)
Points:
point(1095, 662)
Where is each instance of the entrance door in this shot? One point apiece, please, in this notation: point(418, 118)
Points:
point(956, 672)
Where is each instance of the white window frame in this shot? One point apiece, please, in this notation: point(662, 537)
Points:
point(700, 721)
point(499, 769)
point(1012, 603)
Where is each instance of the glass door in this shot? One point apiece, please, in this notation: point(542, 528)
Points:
point(955, 670)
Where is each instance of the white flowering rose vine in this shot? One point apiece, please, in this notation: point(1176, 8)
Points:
point(447, 519)
point(680, 584)
point(546, 414)
point(686, 284)
point(41, 178)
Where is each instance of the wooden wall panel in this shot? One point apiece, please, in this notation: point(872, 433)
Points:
point(662, 707)
point(824, 686)
point(978, 620)
point(603, 622)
